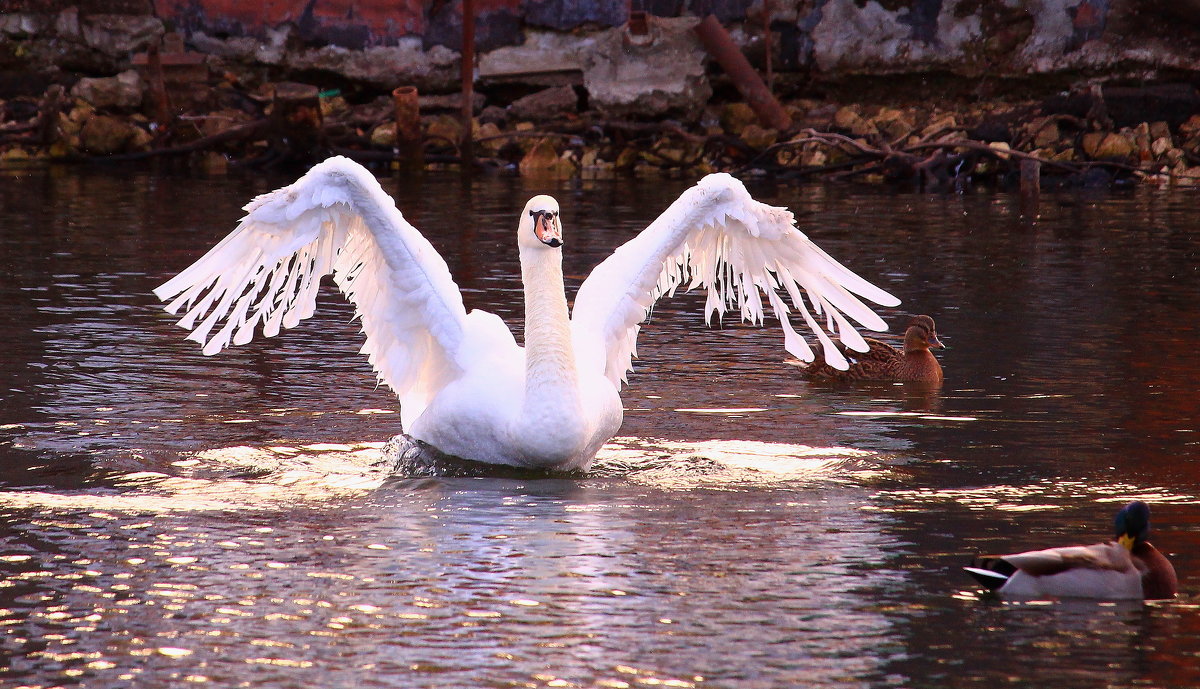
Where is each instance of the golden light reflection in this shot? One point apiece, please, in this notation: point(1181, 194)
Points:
point(732, 463)
point(287, 475)
point(1039, 496)
point(650, 678)
point(909, 414)
point(284, 475)
point(730, 410)
point(280, 662)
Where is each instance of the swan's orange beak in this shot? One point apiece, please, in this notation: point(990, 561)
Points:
point(547, 228)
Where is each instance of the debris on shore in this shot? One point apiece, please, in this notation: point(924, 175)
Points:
point(175, 103)
point(932, 146)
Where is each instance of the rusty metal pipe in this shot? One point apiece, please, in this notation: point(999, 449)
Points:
point(468, 82)
point(767, 40)
point(717, 42)
point(638, 24)
point(158, 88)
point(407, 109)
point(1031, 188)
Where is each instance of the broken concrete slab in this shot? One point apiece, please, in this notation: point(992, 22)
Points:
point(119, 35)
point(122, 92)
point(406, 63)
point(653, 75)
point(543, 54)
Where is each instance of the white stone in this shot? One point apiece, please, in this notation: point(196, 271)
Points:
point(385, 66)
point(118, 35)
point(20, 25)
point(649, 75)
point(122, 92)
point(543, 52)
point(850, 37)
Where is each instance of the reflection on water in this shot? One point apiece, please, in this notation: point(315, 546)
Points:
point(493, 584)
point(1045, 494)
point(171, 519)
point(267, 478)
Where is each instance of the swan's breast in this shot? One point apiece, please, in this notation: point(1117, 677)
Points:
point(566, 431)
point(471, 416)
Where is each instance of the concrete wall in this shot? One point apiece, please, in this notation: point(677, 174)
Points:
point(384, 43)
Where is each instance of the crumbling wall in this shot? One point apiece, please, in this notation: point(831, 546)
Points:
point(862, 88)
point(998, 38)
point(385, 43)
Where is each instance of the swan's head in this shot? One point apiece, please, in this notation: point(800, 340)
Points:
point(540, 226)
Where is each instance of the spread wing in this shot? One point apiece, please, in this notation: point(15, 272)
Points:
point(335, 219)
point(716, 236)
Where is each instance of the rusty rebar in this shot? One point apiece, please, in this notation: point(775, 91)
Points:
point(717, 42)
point(638, 24)
point(407, 109)
point(468, 82)
point(161, 103)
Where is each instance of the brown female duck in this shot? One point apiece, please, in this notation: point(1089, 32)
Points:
point(884, 362)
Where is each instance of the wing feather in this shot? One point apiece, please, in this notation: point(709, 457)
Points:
point(337, 220)
point(716, 236)
point(1107, 556)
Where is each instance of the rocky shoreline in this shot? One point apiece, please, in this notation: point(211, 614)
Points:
point(595, 116)
point(548, 133)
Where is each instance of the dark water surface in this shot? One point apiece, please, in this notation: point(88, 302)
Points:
point(170, 519)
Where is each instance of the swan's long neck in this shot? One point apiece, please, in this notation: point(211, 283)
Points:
point(552, 395)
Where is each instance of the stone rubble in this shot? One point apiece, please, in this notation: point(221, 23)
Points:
point(612, 100)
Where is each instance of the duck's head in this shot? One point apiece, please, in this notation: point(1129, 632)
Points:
point(921, 334)
point(540, 226)
point(1133, 524)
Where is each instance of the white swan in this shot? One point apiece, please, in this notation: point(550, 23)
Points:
point(465, 386)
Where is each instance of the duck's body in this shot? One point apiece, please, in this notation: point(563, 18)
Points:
point(883, 362)
point(1129, 568)
point(465, 386)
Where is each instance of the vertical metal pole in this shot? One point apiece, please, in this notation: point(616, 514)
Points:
point(1031, 188)
point(468, 82)
point(158, 87)
point(407, 111)
point(767, 43)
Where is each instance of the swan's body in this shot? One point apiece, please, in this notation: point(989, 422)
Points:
point(465, 386)
point(1128, 568)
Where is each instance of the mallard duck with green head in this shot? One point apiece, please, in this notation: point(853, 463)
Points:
point(1128, 568)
